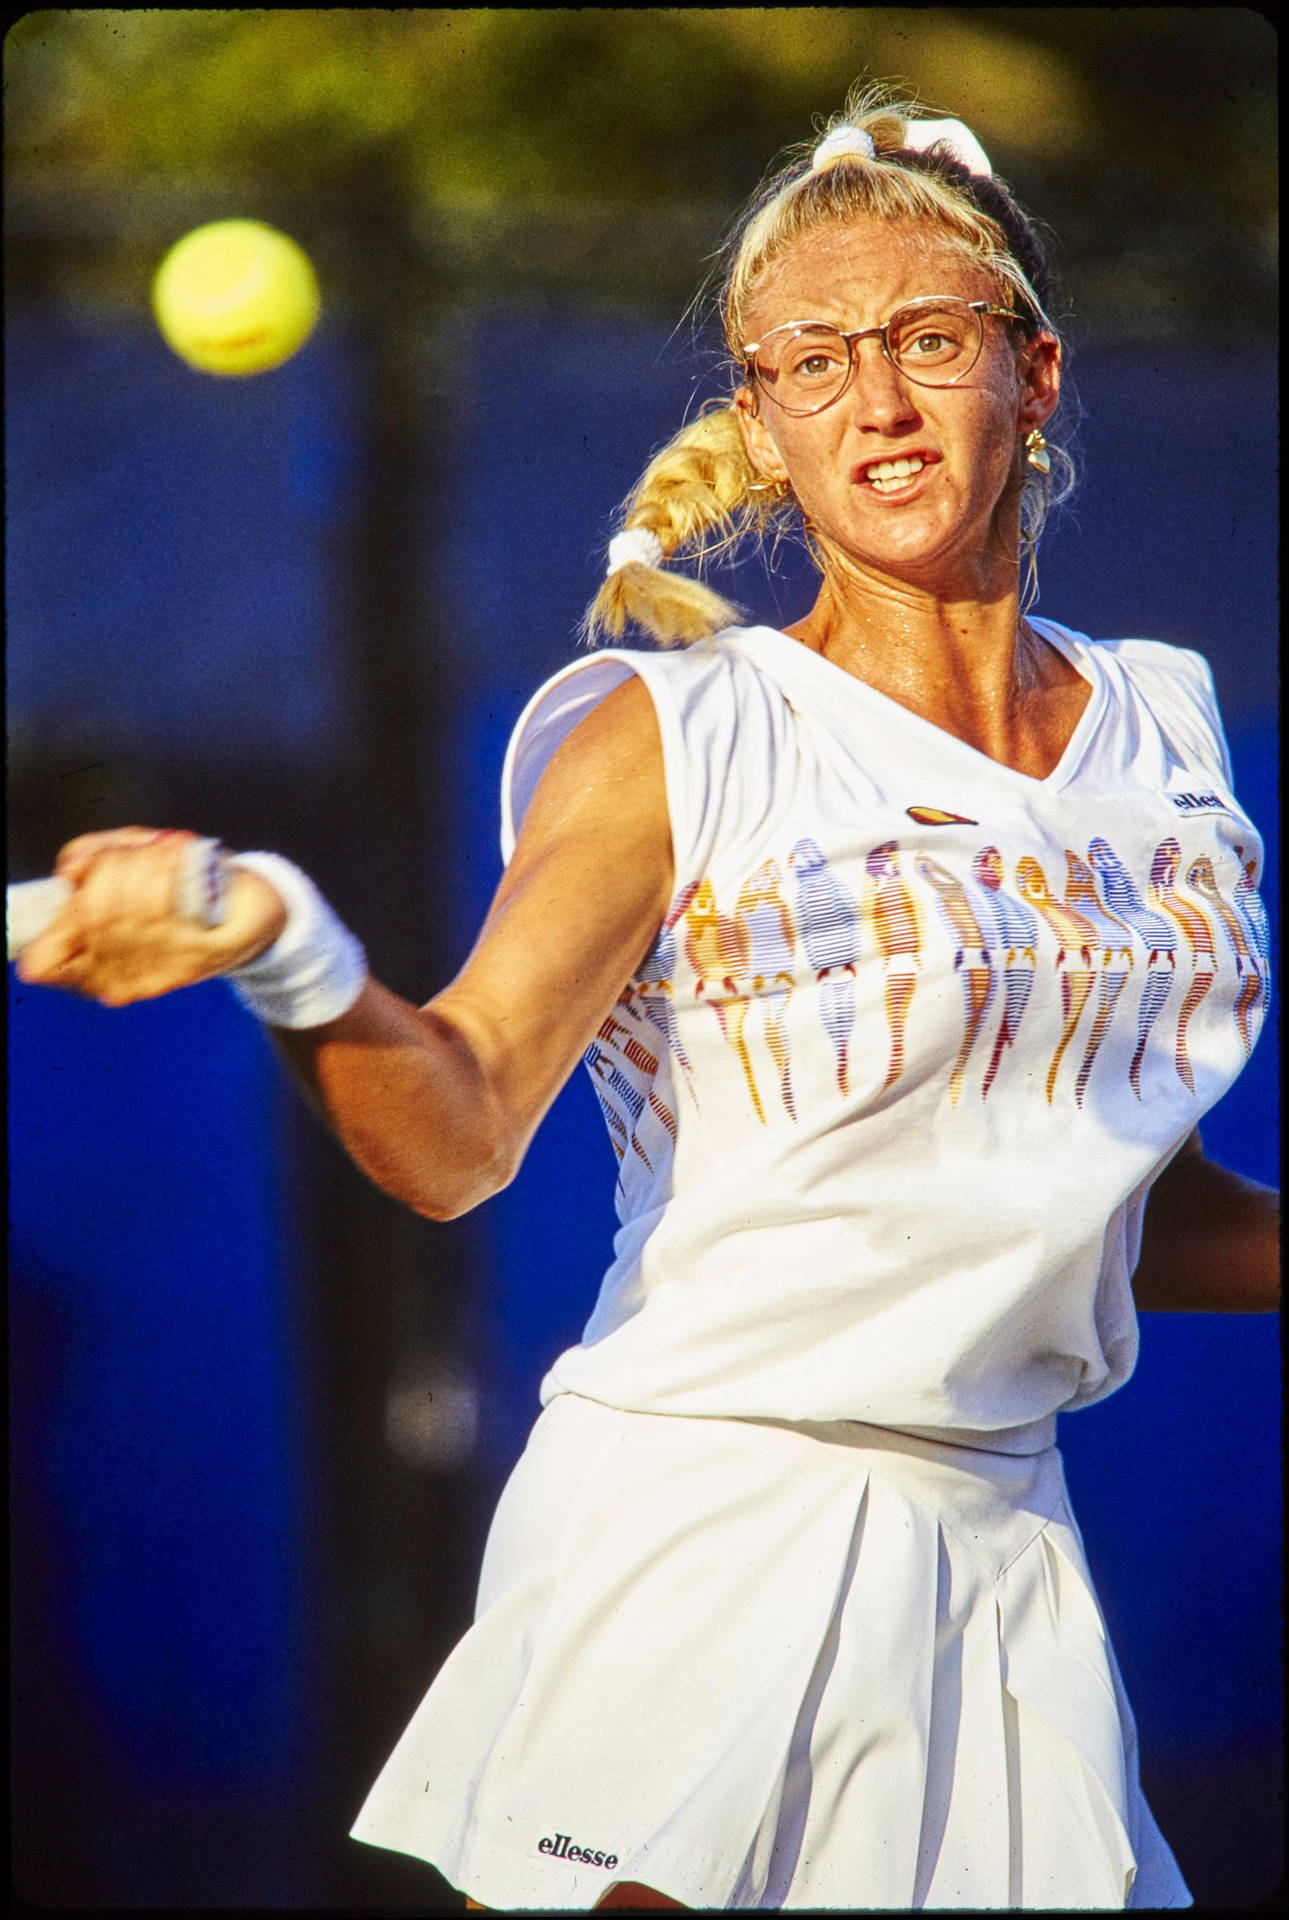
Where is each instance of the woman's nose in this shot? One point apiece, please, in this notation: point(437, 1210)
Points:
point(880, 396)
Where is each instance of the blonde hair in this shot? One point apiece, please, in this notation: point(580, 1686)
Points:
point(701, 494)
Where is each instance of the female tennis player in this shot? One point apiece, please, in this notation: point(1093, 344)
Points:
point(906, 947)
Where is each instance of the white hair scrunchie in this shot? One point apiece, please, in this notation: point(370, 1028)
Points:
point(961, 142)
point(853, 143)
point(635, 544)
point(841, 144)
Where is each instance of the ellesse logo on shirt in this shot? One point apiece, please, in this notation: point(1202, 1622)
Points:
point(561, 1848)
point(1199, 802)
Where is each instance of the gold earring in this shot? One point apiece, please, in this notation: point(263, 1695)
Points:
point(767, 486)
point(1036, 454)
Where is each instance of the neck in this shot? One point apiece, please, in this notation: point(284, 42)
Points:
point(963, 658)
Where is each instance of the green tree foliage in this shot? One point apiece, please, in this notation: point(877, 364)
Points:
point(1145, 136)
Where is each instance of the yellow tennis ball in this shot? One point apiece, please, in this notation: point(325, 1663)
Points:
point(235, 297)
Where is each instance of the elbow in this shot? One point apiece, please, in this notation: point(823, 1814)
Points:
point(456, 1183)
point(440, 1137)
point(438, 1177)
point(448, 1196)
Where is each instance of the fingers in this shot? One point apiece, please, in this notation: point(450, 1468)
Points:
point(254, 918)
point(120, 937)
point(44, 961)
point(123, 935)
point(134, 881)
point(76, 856)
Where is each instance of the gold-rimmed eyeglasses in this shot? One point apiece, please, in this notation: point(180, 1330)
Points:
point(935, 341)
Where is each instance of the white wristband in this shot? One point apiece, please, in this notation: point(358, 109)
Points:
point(315, 969)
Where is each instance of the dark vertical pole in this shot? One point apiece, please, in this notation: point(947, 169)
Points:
point(394, 633)
point(392, 1290)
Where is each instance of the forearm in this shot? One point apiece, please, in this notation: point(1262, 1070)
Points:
point(436, 1104)
point(1210, 1243)
point(407, 1096)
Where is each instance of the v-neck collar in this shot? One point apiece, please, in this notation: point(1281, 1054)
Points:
point(821, 685)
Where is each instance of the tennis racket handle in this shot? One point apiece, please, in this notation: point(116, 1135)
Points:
point(29, 906)
point(201, 895)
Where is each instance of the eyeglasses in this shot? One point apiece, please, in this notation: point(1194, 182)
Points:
point(934, 341)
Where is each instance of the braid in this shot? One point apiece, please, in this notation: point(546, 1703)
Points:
point(698, 494)
point(991, 198)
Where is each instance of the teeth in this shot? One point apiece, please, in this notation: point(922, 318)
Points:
point(887, 475)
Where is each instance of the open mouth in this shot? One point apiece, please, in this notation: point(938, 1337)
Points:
point(892, 476)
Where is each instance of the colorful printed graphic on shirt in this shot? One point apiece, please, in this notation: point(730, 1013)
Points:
point(892, 915)
point(622, 1101)
point(1015, 930)
point(1249, 902)
point(763, 910)
point(1197, 934)
point(1156, 934)
point(1076, 940)
point(1116, 958)
point(719, 949)
point(829, 923)
point(970, 960)
point(653, 987)
point(613, 1058)
point(784, 961)
point(1201, 880)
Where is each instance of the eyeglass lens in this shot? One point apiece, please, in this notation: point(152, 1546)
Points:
point(805, 367)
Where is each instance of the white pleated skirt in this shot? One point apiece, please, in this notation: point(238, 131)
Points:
point(757, 1665)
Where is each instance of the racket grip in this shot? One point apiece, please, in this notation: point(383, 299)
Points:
point(201, 895)
point(29, 906)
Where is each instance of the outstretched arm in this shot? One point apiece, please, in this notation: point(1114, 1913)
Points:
point(1210, 1242)
point(437, 1103)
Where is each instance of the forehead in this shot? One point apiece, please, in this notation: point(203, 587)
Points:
point(855, 273)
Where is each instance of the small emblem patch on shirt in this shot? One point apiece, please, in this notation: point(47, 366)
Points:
point(1198, 802)
point(937, 817)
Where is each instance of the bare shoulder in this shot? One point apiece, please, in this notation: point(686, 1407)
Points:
point(623, 726)
point(607, 776)
point(628, 709)
point(578, 907)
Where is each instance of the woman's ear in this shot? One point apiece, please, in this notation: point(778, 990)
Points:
point(1040, 381)
point(757, 439)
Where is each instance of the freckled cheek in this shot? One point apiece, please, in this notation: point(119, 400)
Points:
point(816, 474)
point(807, 457)
point(988, 451)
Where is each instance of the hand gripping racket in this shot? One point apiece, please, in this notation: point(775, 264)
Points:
point(201, 895)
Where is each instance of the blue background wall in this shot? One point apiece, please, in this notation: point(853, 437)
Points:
point(175, 584)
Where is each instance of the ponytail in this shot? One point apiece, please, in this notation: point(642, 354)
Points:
point(701, 493)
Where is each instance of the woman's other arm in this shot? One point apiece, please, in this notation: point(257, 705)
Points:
point(1210, 1242)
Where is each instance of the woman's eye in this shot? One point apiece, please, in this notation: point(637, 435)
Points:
point(936, 338)
point(815, 363)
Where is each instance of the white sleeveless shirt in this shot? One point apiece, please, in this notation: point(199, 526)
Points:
point(917, 1035)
